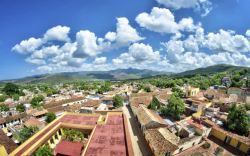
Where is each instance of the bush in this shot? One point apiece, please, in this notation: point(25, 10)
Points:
point(218, 151)
point(44, 150)
point(50, 116)
point(26, 133)
point(20, 108)
point(206, 145)
point(4, 108)
point(73, 135)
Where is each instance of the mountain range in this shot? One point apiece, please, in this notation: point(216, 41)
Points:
point(118, 74)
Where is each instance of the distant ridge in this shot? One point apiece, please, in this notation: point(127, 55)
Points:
point(118, 74)
point(211, 70)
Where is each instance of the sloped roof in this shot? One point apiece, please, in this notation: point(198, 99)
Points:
point(69, 148)
point(7, 142)
point(158, 142)
point(91, 103)
point(145, 116)
point(31, 122)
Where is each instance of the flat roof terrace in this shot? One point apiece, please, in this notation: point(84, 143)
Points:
point(108, 138)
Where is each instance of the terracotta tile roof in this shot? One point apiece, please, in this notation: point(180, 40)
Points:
point(69, 148)
point(59, 103)
point(159, 144)
point(7, 142)
point(11, 118)
point(31, 122)
point(146, 116)
point(91, 103)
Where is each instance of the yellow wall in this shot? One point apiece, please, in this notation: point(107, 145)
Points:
point(233, 142)
point(244, 148)
point(218, 134)
point(3, 151)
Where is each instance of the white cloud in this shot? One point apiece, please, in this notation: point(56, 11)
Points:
point(138, 53)
point(59, 33)
point(125, 34)
point(100, 60)
point(202, 6)
point(227, 41)
point(35, 61)
point(86, 44)
point(163, 21)
point(248, 33)
point(28, 46)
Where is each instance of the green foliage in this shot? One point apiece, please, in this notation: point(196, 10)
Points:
point(218, 151)
point(175, 107)
point(36, 101)
point(44, 150)
point(11, 89)
point(237, 120)
point(147, 89)
point(4, 108)
point(104, 88)
point(155, 104)
point(15, 97)
point(247, 106)
point(178, 91)
point(206, 145)
point(73, 135)
point(26, 133)
point(20, 108)
point(50, 116)
point(2, 98)
point(117, 101)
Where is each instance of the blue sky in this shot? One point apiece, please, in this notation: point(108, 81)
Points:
point(52, 36)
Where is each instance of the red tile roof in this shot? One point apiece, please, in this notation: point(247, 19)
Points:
point(109, 139)
point(69, 148)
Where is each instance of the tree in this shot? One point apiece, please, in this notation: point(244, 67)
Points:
point(11, 89)
point(73, 135)
point(117, 101)
point(175, 107)
point(15, 97)
point(155, 104)
point(237, 120)
point(4, 108)
point(20, 108)
point(50, 116)
point(178, 91)
point(147, 89)
point(44, 150)
point(2, 98)
point(36, 101)
point(26, 133)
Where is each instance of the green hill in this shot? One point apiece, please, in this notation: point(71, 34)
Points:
point(211, 70)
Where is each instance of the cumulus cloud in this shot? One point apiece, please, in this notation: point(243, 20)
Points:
point(227, 41)
point(59, 33)
point(86, 44)
point(100, 60)
point(28, 46)
point(248, 33)
point(201, 6)
point(163, 21)
point(138, 53)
